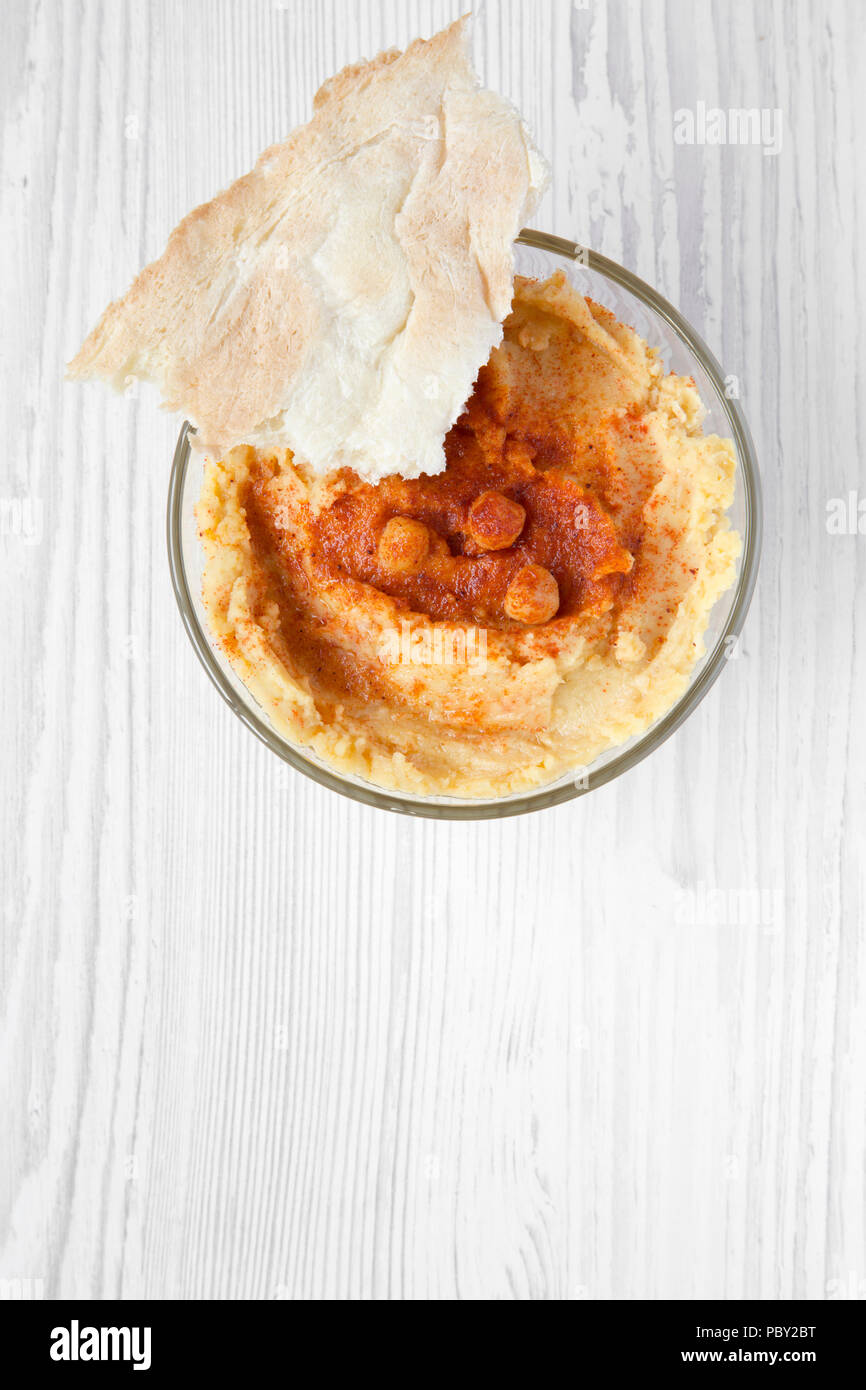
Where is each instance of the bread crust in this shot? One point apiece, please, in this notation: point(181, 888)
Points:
point(340, 298)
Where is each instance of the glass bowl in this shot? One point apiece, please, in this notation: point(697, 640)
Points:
point(682, 351)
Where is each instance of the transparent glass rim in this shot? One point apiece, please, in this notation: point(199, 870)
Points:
point(543, 797)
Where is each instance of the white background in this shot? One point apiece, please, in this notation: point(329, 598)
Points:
point(259, 1041)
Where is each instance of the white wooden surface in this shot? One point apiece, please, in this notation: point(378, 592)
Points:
point(257, 1041)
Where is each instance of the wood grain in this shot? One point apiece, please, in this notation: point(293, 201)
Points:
point(257, 1041)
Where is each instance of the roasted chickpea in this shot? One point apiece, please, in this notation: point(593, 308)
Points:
point(532, 595)
point(495, 521)
point(404, 545)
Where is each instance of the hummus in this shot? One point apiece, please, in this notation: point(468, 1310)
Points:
point(495, 626)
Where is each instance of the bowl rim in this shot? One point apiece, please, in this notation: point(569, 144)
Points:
point(543, 797)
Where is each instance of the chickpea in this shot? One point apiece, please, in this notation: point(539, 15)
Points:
point(404, 545)
point(495, 521)
point(532, 595)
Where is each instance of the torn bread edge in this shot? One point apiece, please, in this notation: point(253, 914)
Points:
point(340, 299)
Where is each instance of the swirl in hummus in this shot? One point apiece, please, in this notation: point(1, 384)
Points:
point(493, 627)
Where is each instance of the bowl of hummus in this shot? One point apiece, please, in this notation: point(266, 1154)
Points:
point(528, 624)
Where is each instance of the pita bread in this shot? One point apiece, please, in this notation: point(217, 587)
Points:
point(340, 299)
